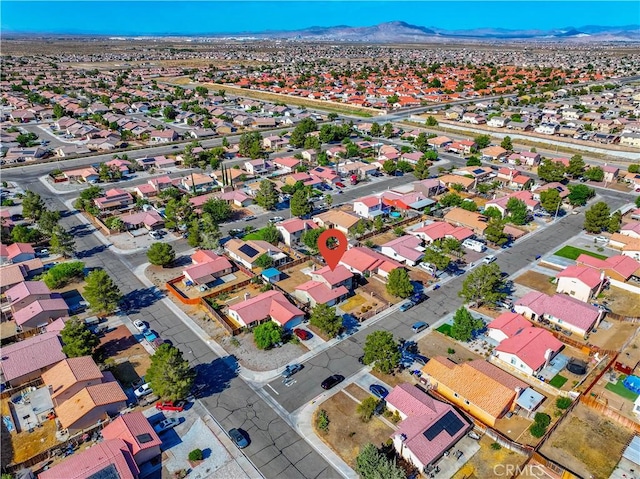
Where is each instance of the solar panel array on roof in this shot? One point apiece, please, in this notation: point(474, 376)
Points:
point(449, 423)
point(248, 250)
point(478, 171)
point(144, 438)
point(109, 472)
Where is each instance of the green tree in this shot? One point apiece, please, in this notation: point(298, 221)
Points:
point(482, 141)
point(169, 374)
point(518, 212)
point(464, 324)
point(78, 340)
point(474, 161)
point(637, 201)
point(32, 205)
point(436, 258)
point(421, 170)
point(506, 143)
point(101, 292)
point(267, 335)
point(310, 238)
point(332, 116)
point(494, 232)
point(579, 194)
point(483, 285)
point(595, 173)
point(267, 196)
point(58, 111)
point(62, 242)
point(24, 234)
point(48, 221)
point(431, 121)
point(596, 218)
point(270, 234)
point(264, 261)
point(324, 317)
point(382, 350)
point(615, 222)
point(399, 283)
point(550, 200)
point(373, 464)
point(387, 130)
point(422, 142)
point(404, 166)
point(219, 210)
point(63, 273)
point(194, 237)
point(26, 139)
point(251, 145)
point(300, 204)
point(576, 166)
point(161, 254)
point(378, 223)
point(328, 199)
point(389, 167)
point(376, 130)
point(115, 223)
point(551, 170)
point(450, 199)
point(169, 112)
point(366, 408)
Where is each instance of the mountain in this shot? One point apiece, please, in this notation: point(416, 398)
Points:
point(402, 32)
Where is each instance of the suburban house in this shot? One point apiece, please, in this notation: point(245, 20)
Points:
point(207, 267)
point(235, 197)
point(12, 274)
point(628, 245)
point(325, 174)
point(69, 376)
point(405, 249)
point(525, 196)
point(440, 230)
point(529, 350)
point(466, 183)
point(338, 219)
point(463, 147)
point(498, 122)
point(429, 427)
point(316, 292)
point(287, 164)
point(468, 219)
point(477, 387)
point(506, 325)
point(340, 276)
point(41, 312)
point(293, 229)
point(631, 229)
point(258, 167)
point(562, 190)
point(428, 187)
point(365, 261)
point(618, 268)
point(514, 179)
point(136, 431)
point(580, 282)
point(20, 252)
point(272, 305)
point(26, 360)
point(114, 199)
point(493, 153)
point(163, 136)
point(197, 183)
point(610, 173)
point(440, 141)
point(369, 207)
point(566, 312)
point(111, 458)
point(144, 219)
point(25, 293)
point(412, 200)
point(248, 252)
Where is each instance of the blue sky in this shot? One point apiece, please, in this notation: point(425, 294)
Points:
point(198, 17)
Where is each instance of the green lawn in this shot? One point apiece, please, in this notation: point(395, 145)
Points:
point(620, 390)
point(558, 381)
point(256, 235)
point(571, 252)
point(445, 329)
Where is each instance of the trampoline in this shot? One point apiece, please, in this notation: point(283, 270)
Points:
point(632, 383)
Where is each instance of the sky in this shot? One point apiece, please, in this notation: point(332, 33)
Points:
point(180, 17)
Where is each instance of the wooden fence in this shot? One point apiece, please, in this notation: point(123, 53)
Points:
point(625, 319)
point(603, 408)
point(224, 322)
point(7, 393)
point(179, 295)
point(19, 336)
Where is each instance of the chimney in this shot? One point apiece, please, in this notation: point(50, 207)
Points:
point(518, 391)
point(547, 357)
point(246, 296)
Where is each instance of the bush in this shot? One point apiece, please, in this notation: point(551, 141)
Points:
point(540, 423)
point(366, 408)
point(322, 421)
point(451, 351)
point(563, 402)
point(542, 419)
point(537, 430)
point(267, 334)
point(63, 273)
point(495, 446)
point(196, 455)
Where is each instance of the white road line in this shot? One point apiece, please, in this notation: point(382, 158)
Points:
point(270, 387)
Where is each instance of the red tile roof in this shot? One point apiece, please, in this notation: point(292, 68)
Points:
point(509, 323)
point(271, 304)
point(30, 355)
point(129, 427)
point(625, 266)
point(589, 276)
point(530, 346)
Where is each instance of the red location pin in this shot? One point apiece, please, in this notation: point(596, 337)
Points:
point(332, 255)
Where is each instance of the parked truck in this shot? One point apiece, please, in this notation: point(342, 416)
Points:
point(354, 179)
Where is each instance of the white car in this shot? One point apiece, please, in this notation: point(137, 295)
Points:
point(140, 326)
point(488, 259)
point(166, 424)
point(143, 390)
point(601, 239)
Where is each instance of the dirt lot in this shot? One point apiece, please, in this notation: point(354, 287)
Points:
point(621, 301)
point(295, 278)
point(536, 281)
point(383, 238)
point(347, 433)
point(394, 379)
point(481, 465)
point(436, 344)
point(243, 347)
point(131, 358)
point(614, 337)
point(27, 444)
point(578, 443)
point(379, 290)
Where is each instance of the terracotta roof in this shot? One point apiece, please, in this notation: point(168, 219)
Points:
point(320, 292)
point(69, 372)
point(363, 259)
point(272, 304)
point(509, 323)
point(294, 225)
point(16, 249)
point(336, 276)
point(31, 355)
point(588, 276)
point(623, 265)
point(530, 346)
point(129, 427)
point(86, 400)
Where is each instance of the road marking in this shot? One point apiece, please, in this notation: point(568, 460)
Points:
point(290, 383)
point(270, 387)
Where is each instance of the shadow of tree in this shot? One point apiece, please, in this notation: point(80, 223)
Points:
point(214, 377)
point(6, 448)
point(138, 299)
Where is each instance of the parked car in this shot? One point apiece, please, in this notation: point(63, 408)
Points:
point(420, 359)
point(143, 390)
point(302, 333)
point(43, 252)
point(291, 369)
point(340, 185)
point(489, 259)
point(166, 424)
point(249, 218)
point(236, 232)
point(407, 306)
point(150, 335)
point(238, 438)
point(417, 298)
point(505, 303)
point(429, 268)
point(601, 239)
point(378, 391)
point(276, 219)
point(155, 235)
point(171, 405)
point(140, 326)
point(332, 381)
point(419, 326)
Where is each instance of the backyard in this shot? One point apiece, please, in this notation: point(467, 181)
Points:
point(482, 464)
point(131, 359)
point(437, 344)
point(571, 252)
point(537, 282)
point(621, 301)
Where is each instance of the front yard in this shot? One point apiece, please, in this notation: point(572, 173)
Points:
point(571, 252)
point(131, 359)
point(537, 282)
point(437, 344)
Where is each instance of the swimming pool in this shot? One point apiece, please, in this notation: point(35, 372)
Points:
point(632, 383)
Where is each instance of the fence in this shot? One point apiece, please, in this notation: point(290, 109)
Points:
point(385, 228)
point(183, 298)
point(602, 407)
point(626, 319)
point(224, 322)
point(7, 393)
point(19, 336)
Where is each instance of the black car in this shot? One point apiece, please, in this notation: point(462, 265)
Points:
point(417, 298)
point(332, 381)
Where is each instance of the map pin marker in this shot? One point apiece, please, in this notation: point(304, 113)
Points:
point(332, 255)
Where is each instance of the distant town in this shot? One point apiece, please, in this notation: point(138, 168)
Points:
point(166, 310)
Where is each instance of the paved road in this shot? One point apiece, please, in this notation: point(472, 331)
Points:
point(276, 449)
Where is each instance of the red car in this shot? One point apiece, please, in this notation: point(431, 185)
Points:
point(302, 334)
point(340, 185)
point(171, 405)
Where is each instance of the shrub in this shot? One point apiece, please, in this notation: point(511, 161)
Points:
point(366, 408)
point(451, 351)
point(542, 419)
point(537, 430)
point(563, 402)
point(195, 455)
point(495, 446)
point(322, 421)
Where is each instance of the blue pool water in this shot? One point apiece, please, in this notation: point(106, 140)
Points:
point(632, 383)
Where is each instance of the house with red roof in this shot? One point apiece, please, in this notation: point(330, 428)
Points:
point(136, 431)
point(235, 197)
point(405, 249)
point(438, 230)
point(25, 293)
point(369, 207)
point(631, 229)
point(271, 305)
point(40, 312)
point(143, 219)
point(111, 458)
point(365, 261)
point(618, 268)
point(326, 174)
point(293, 229)
point(207, 267)
point(287, 164)
point(564, 311)
point(12, 274)
point(463, 147)
point(525, 196)
point(26, 360)
point(506, 325)
point(580, 282)
point(340, 276)
point(19, 252)
point(114, 199)
point(562, 190)
point(314, 292)
point(529, 350)
point(90, 405)
point(428, 428)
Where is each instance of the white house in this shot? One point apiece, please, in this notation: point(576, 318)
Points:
point(369, 207)
point(406, 249)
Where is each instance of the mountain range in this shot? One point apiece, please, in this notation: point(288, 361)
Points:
point(402, 32)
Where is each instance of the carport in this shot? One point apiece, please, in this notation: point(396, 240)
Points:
point(557, 364)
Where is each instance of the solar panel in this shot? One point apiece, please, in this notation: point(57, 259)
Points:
point(449, 423)
point(478, 171)
point(109, 472)
point(248, 250)
point(144, 438)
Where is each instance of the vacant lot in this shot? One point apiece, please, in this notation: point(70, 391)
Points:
point(615, 336)
point(132, 360)
point(437, 344)
point(379, 289)
point(383, 238)
point(347, 433)
point(578, 443)
point(621, 302)
point(481, 465)
point(571, 252)
point(536, 281)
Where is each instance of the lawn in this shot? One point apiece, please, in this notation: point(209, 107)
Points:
point(619, 389)
point(558, 381)
point(352, 303)
point(571, 252)
point(444, 329)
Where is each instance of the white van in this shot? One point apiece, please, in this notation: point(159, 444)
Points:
point(429, 268)
point(474, 245)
